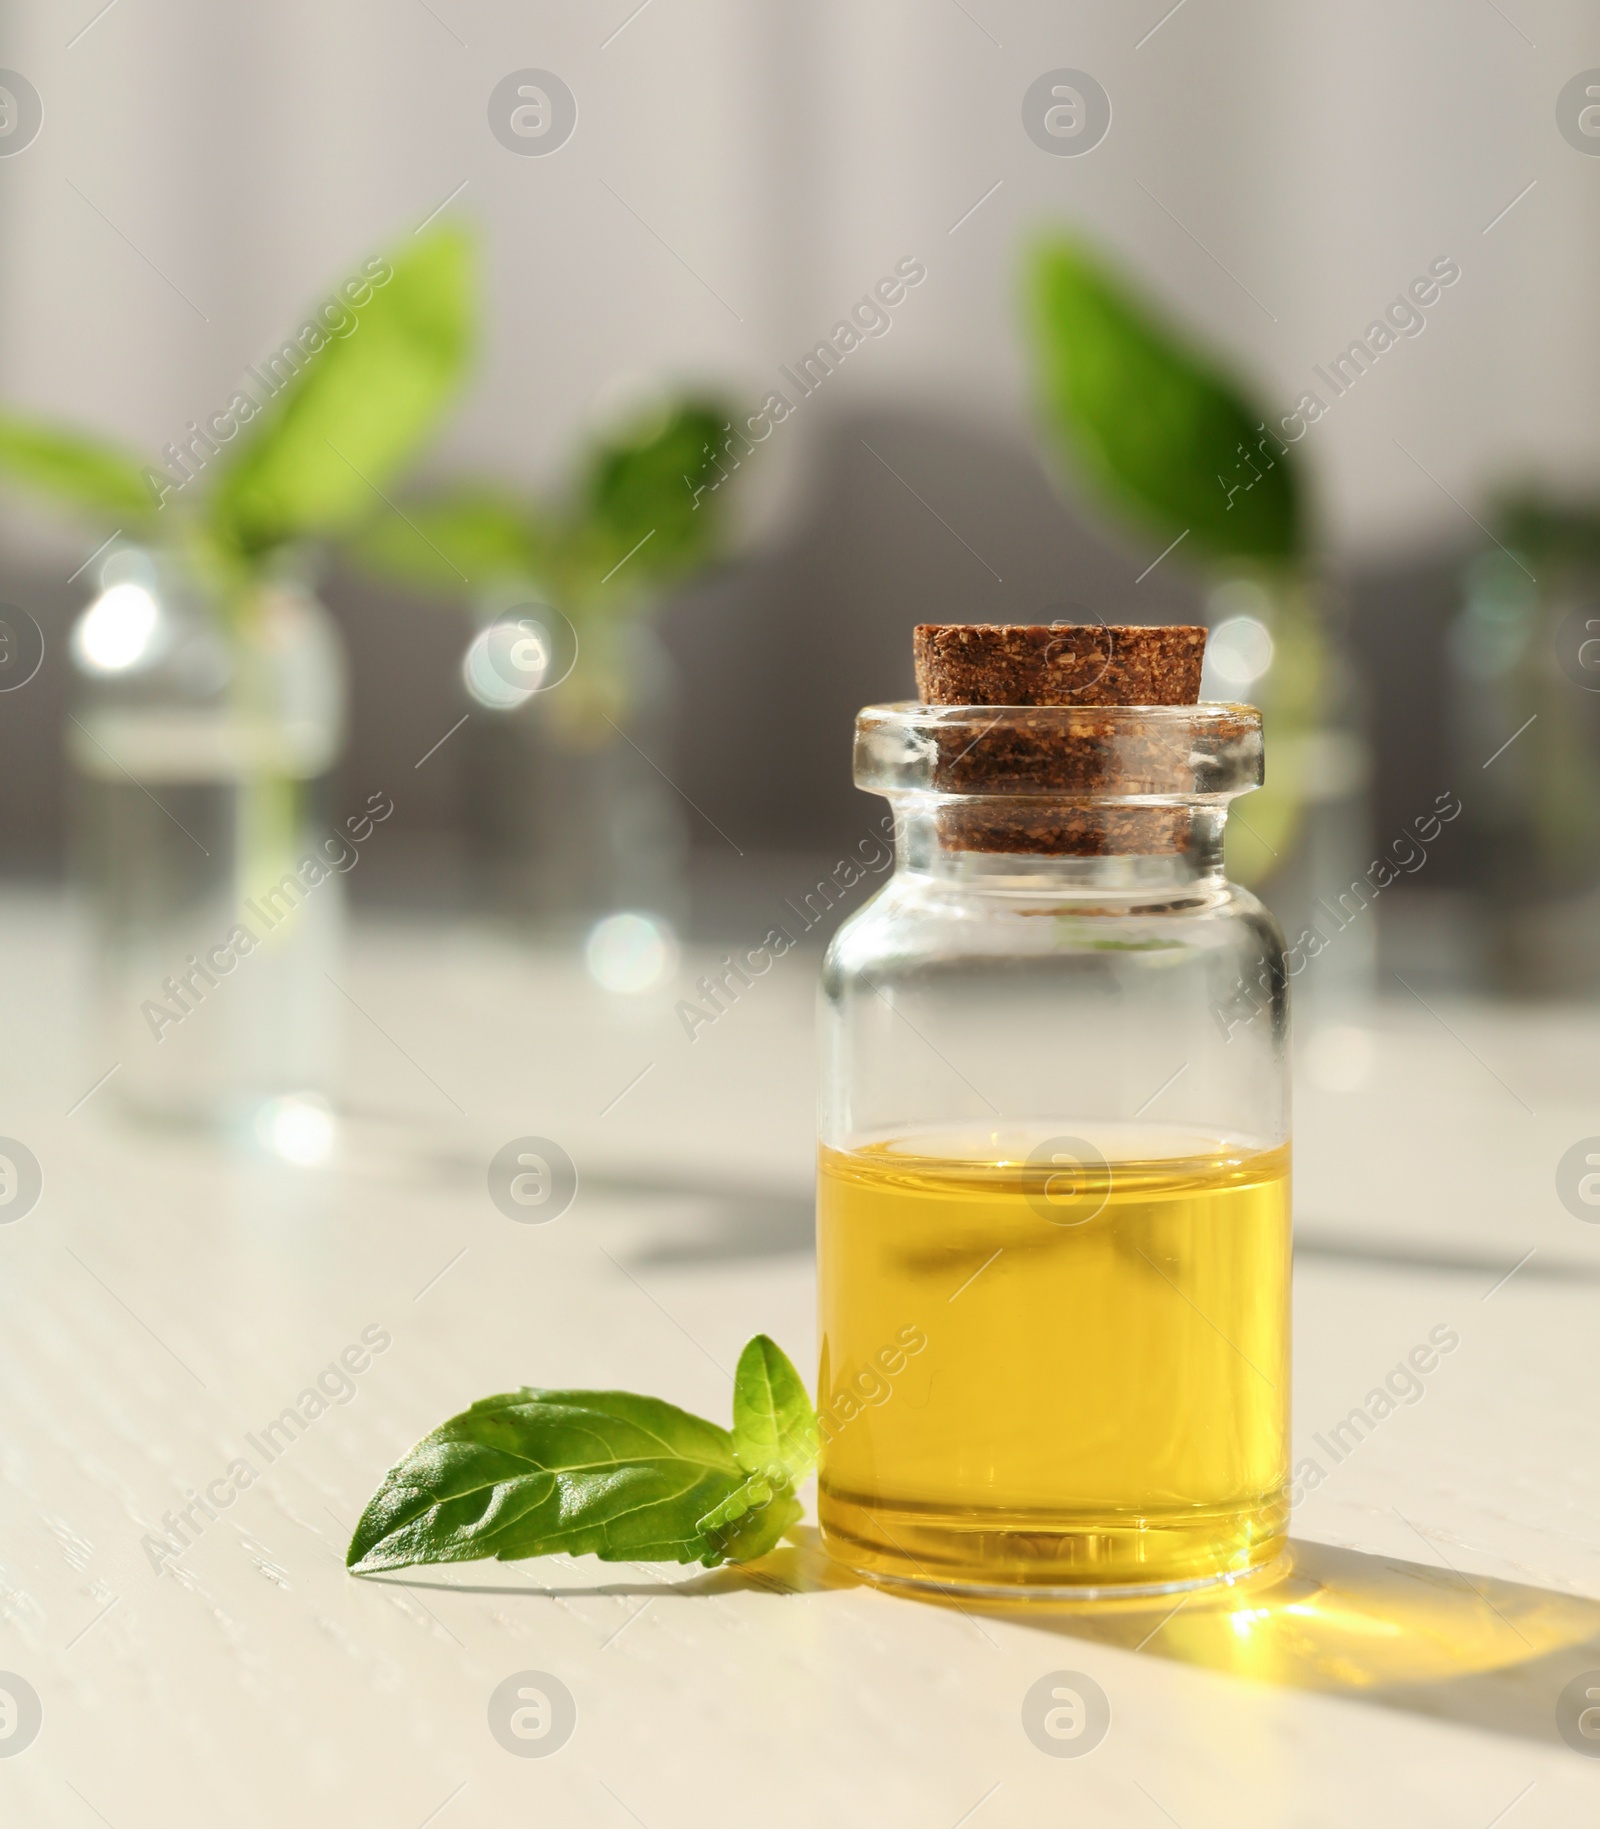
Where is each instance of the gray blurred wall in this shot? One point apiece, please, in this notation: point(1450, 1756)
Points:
point(737, 178)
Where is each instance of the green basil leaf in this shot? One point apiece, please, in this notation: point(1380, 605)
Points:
point(469, 536)
point(756, 1529)
point(751, 1496)
point(86, 472)
point(774, 1425)
point(359, 408)
point(533, 1472)
point(1154, 423)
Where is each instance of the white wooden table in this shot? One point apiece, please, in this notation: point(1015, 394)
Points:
point(167, 1297)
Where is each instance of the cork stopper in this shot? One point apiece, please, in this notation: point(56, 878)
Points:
point(986, 663)
point(1065, 759)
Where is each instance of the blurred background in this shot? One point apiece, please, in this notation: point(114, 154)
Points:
point(694, 198)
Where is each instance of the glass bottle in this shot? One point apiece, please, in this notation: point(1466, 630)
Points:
point(1053, 1219)
point(1525, 677)
point(201, 742)
point(578, 830)
point(1306, 839)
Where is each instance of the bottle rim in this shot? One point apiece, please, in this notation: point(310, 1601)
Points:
point(1121, 754)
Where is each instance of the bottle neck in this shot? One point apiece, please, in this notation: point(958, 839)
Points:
point(1116, 850)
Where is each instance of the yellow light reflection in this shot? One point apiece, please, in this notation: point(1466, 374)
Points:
point(1459, 1647)
point(1454, 1646)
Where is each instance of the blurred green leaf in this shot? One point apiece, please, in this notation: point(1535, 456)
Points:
point(662, 487)
point(472, 534)
point(86, 472)
point(647, 507)
point(1158, 426)
point(1548, 528)
point(360, 407)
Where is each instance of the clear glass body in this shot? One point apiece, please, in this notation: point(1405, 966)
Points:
point(201, 748)
point(573, 818)
point(1053, 1221)
point(1525, 660)
point(1305, 838)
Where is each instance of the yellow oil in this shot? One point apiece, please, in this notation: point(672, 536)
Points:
point(1032, 1382)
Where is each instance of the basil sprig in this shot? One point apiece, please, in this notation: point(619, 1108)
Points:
point(600, 1473)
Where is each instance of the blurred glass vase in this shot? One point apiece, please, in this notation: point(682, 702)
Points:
point(1303, 846)
point(209, 694)
point(1525, 664)
point(1167, 436)
point(201, 743)
point(579, 834)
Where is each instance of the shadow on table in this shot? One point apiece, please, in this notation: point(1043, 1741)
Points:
point(707, 1221)
point(729, 1223)
point(696, 1220)
point(1480, 1652)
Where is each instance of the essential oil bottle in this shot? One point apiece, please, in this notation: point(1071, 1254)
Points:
point(1054, 1218)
